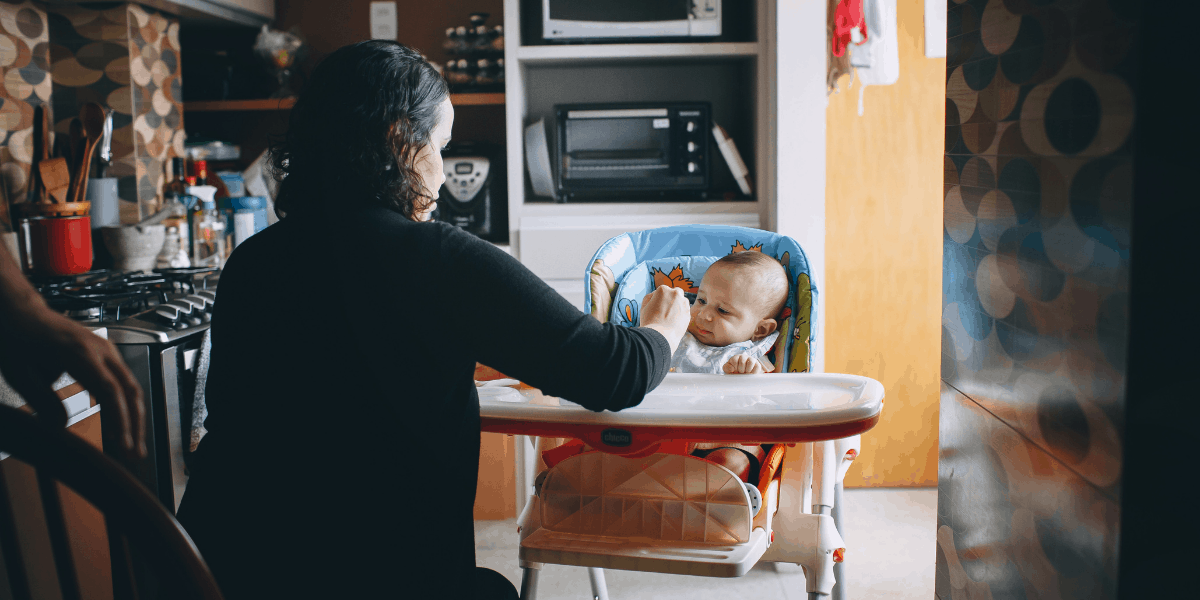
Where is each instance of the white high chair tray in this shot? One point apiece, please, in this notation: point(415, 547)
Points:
point(770, 408)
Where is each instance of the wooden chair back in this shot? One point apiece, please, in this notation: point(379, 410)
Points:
point(136, 520)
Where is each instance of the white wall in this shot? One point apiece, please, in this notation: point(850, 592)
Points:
point(796, 33)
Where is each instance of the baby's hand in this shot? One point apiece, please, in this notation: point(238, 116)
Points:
point(743, 364)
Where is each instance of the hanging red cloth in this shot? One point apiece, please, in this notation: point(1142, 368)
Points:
point(846, 18)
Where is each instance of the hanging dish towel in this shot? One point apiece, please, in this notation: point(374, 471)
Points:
point(199, 410)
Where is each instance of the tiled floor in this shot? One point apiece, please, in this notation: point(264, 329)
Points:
point(890, 536)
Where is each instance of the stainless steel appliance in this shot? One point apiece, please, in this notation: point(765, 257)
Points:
point(606, 19)
point(157, 321)
point(608, 149)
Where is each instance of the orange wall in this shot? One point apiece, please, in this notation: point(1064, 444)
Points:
point(883, 207)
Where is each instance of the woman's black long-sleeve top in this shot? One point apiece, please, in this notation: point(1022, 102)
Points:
point(343, 445)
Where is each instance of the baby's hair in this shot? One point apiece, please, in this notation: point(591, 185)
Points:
point(771, 276)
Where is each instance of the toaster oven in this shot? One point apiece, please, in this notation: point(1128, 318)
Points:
point(627, 149)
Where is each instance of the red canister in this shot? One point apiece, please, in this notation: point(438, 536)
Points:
point(61, 245)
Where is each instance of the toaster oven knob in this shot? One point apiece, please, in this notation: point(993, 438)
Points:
point(691, 146)
point(691, 126)
point(691, 167)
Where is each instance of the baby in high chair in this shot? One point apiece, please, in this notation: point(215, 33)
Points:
point(733, 327)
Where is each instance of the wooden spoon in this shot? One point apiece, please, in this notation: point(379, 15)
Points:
point(56, 176)
point(92, 117)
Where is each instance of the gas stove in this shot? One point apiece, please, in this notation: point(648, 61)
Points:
point(156, 307)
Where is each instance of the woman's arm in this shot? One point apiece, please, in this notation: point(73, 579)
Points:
point(514, 322)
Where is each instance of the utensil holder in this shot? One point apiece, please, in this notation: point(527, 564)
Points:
point(61, 245)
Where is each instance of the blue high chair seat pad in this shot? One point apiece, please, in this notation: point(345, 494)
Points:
point(678, 256)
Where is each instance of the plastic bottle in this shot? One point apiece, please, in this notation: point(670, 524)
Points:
point(208, 234)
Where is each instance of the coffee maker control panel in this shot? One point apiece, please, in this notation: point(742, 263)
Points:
point(465, 176)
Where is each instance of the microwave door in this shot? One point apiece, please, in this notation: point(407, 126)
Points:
point(616, 18)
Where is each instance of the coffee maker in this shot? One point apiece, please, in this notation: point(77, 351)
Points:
point(474, 196)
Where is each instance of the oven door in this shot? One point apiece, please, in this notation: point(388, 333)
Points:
point(167, 375)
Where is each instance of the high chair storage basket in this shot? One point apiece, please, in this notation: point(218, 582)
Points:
point(662, 497)
point(631, 265)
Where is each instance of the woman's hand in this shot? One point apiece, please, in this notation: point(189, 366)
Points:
point(743, 364)
point(666, 310)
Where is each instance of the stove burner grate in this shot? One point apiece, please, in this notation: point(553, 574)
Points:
point(109, 296)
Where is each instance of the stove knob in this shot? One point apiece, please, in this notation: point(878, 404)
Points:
point(198, 303)
point(208, 295)
point(167, 313)
point(185, 308)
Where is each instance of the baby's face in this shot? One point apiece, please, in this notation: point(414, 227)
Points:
point(727, 308)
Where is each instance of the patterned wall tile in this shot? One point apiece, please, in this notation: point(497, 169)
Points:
point(24, 68)
point(157, 96)
point(125, 57)
point(1038, 197)
point(89, 51)
point(1037, 214)
point(1014, 521)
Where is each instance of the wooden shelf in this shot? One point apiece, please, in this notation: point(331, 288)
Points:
point(287, 103)
point(496, 98)
point(215, 105)
point(635, 52)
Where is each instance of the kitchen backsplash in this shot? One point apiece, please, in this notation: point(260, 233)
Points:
point(25, 69)
point(125, 57)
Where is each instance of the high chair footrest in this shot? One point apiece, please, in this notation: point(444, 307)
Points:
point(677, 558)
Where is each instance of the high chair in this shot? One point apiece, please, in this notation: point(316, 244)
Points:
point(638, 502)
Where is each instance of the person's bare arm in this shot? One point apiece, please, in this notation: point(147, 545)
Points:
point(37, 345)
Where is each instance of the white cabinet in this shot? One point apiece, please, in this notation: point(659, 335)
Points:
point(571, 289)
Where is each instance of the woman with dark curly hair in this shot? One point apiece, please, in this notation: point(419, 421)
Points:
point(343, 446)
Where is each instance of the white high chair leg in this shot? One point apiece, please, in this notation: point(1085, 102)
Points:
point(839, 568)
point(809, 540)
point(529, 578)
point(526, 455)
point(825, 468)
point(599, 589)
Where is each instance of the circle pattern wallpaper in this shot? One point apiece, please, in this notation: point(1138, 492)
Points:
point(1038, 196)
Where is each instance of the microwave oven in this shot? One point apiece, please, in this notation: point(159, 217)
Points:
point(601, 19)
point(626, 149)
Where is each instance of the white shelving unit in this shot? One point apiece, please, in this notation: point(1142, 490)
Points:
point(539, 76)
